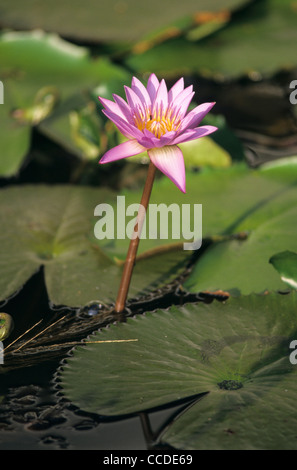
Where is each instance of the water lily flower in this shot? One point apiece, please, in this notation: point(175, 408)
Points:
point(155, 120)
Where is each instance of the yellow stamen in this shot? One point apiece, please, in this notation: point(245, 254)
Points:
point(158, 123)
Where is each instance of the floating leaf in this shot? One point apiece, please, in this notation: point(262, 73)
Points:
point(286, 265)
point(233, 199)
point(268, 213)
point(237, 351)
point(257, 40)
point(45, 78)
point(110, 21)
point(54, 227)
point(15, 138)
point(242, 267)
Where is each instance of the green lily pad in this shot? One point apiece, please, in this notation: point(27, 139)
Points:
point(238, 266)
point(46, 78)
point(53, 227)
point(110, 20)
point(286, 265)
point(237, 351)
point(233, 199)
point(14, 141)
point(257, 40)
point(242, 267)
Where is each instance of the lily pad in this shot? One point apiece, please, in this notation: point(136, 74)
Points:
point(53, 227)
point(46, 77)
point(242, 267)
point(257, 40)
point(286, 265)
point(15, 139)
point(233, 199)
point(237, 352)
point(110, 20)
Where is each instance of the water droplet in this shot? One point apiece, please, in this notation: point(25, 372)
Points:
point(91, 309)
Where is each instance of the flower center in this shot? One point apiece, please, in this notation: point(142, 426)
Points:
point(157, 123)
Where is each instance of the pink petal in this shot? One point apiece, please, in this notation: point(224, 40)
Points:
point(167, 138)
point(127, 129)
point(152, 86)
point(125, 108)
point(182, 101)
point(194, 117)
point(149, 140)
point(175, 90)
point(134, 101)
point(170, 161)
point(126, 149)
point(141, 91)
point(161, 101)
point(192, 134)
point(112, 106)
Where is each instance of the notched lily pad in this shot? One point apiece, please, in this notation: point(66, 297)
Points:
point(237, 351)
point(243, 266)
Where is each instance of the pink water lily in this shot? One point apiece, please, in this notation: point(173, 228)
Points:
point(156, 120)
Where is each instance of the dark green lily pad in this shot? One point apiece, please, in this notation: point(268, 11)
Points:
point(237, 351)
point(286, 265)
point(257, 41)
point(109, 20)
point(54, 227)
